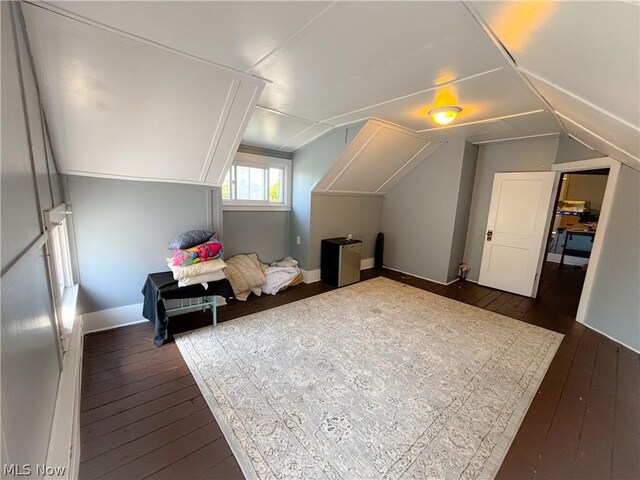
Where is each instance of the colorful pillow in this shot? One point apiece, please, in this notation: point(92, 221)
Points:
point(190, 239)
point(200, 253)
point(180, 273)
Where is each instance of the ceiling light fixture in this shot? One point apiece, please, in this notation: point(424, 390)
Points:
point(444, 115)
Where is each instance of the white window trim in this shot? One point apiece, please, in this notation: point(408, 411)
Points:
point(261, 161)
point(67, 299)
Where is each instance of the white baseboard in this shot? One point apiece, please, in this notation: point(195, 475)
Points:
point(312, 276)
point(610, 337)
point(568, 259)
point(64, 444)
point(367, 263)
point(423, 278)
point(112, 318)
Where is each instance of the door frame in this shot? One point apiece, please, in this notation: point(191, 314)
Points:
point(607, 202)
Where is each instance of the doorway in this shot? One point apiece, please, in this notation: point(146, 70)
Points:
point(576, 214)
point(538, 210)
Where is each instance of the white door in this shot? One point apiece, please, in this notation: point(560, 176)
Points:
point(517, 229)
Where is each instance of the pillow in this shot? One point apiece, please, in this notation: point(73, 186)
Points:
point(200, 253)
point(203, 278)
point(190, 239)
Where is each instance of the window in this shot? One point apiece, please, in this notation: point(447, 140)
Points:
point(64, 289)
point(256, 182)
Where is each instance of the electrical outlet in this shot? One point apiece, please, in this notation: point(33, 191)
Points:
point(298, 240)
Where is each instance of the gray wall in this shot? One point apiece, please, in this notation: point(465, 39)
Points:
point(309, 164)
point(266, 233)
point(419, 213)
point(529, 155)
point(340, 215)
point(614, 307)
point(30, 345)
point(463, 209)
point(571, 151)
point(123, 229)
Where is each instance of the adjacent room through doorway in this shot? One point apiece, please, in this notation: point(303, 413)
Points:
point(576, 217)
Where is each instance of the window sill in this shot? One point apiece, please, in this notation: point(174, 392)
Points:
point(255, 208)
point(69, 302)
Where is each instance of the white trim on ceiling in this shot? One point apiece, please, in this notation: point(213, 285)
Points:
point(578, 98)
point(508, 58)
point(430, 89)
point(295, 117)
point(281, 146)
point(290, 37)
point(513, 139)
point(135, 178)
point(224, 114)
point(583, 143)
point(87, 21)
point(402, 167)
point(356, 155)
point(590, 132)
point(476, 122)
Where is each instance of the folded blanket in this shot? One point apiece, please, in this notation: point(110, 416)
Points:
point(245, 275)
point(200, 253)
point(180, 273)
point(204, 279)
point(277, 278)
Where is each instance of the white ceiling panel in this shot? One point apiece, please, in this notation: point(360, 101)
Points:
point(378, 154)
point(271, 129)
point(620, 134)
point(118, 107)
point(539, 123)
point(591, 49)
point(600, 145)
point(304, 137)
point(235, 34)
point(492, 95)
point(362, 53)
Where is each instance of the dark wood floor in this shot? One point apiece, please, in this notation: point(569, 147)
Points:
point(143, 415)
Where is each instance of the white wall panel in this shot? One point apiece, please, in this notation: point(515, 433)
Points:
point(122, 108)
point(236, 34)
point(379, 153)
point(620, 134)
point(590, 48)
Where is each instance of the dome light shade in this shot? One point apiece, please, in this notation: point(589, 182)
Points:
point(444, 115)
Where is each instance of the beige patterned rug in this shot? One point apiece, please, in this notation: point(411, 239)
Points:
point(375, 380)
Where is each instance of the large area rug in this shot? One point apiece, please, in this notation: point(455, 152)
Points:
point(375, 380)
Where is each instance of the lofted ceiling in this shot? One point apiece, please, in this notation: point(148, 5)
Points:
point(518, 69)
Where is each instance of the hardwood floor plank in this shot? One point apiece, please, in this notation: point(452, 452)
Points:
point(97, 365)
point(94, 401)
point(523, 456)
point(122, 405)
point(115, 372)
point(121, 456)
point(91, 389)
point(104, 443)
point(626, 436)
point(109, 424)
point(161, 457)
point(197, 463)
point(593, 458)
point(228, 469)
point(564, 435)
